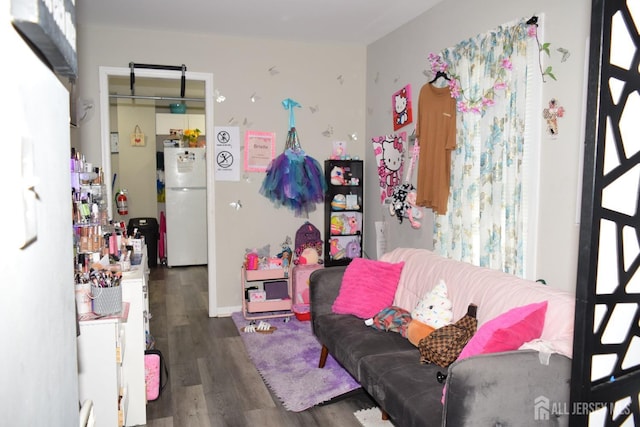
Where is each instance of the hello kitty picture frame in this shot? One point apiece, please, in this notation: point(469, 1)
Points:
point(402, 107)
point(389, 153)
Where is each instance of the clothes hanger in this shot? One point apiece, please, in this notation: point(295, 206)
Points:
point(440, 74)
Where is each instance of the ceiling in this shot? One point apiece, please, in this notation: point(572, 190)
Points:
point(326, 21)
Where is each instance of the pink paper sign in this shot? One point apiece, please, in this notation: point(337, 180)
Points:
point(259, 150)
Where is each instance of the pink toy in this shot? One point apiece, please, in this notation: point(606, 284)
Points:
point(353, 225)
point(252, 261)
point(333, 248)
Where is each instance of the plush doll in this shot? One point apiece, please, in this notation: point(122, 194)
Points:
point(403, 204)
point(339, 202)
point(352, 222)
point(337, 224)
point(433, 311)
point(335, 250)
point(337, 176)
point(308, 256)
point(353, 249)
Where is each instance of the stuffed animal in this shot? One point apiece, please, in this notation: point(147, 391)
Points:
point(337, 224)
point(353, 249)
point(403, 204)
point(308, 256)
point(352, 222)
point(337, 176)
point(433, 311)
point(339, 202)
point(335, 250)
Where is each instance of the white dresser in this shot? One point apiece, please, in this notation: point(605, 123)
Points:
point(135, 290)
point(101, 347)
point(111, 356)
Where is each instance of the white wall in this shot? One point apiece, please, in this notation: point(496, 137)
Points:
point(334, 79)
point(38, 361)
point(137, 165)
point(329, 79)
point(400, 58)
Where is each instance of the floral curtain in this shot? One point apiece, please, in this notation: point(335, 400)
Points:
point(486, 221)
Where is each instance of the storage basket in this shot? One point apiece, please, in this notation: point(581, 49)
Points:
point(107, 300)
point(302, 312)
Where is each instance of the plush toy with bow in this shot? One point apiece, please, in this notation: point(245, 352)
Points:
point(403, 200)
point(403, 204)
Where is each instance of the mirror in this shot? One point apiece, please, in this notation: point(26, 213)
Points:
point(133, 165)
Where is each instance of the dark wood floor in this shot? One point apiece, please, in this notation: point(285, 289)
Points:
point(212, 381)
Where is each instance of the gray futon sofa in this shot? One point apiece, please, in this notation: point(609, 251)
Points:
point(515, 388)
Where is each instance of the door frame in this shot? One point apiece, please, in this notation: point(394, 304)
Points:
point(207, 78)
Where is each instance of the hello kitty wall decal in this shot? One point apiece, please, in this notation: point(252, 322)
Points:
point(402, 108)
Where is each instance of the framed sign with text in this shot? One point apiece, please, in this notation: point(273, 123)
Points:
point(259, 150)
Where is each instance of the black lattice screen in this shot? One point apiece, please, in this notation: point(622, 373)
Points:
point(605, 383)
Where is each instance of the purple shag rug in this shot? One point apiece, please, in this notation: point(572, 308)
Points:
point(288, 359)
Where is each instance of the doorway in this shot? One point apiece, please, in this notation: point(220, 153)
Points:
point(162, 82)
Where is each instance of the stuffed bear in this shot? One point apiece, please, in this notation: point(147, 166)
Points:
point(433, 311)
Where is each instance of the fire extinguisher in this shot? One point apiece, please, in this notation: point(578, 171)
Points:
point(121, 202)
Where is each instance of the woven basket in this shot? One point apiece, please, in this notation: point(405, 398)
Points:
point(106, 301)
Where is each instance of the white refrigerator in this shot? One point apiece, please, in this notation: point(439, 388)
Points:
point(185, 174)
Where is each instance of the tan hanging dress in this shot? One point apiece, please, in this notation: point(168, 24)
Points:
point(436, 133)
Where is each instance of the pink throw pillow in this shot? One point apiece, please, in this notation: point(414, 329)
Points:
point(508, 331)
point(368, 286)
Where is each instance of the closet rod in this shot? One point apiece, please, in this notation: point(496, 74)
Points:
point(157, 98)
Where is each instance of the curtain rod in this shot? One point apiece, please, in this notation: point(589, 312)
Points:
point(157, 98)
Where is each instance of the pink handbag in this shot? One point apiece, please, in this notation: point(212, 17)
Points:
point(154, 366)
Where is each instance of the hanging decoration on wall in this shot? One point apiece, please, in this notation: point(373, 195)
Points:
point(137, 137)
point(403, 202)
point(220, 98)
point(389, 153)
point(329, 132)
point(551, 115)
point(293, 179)
point(565, 54)
point(401, 105)
point(532, 31)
